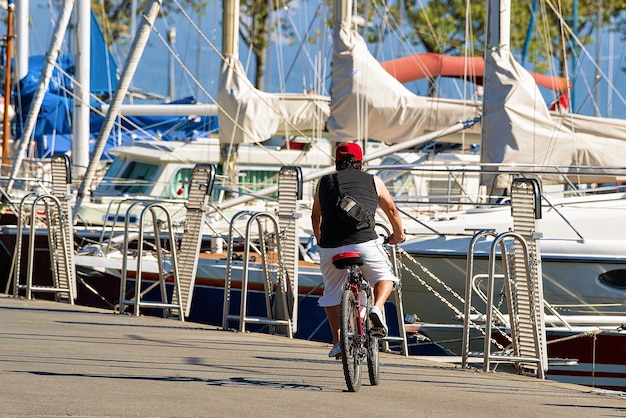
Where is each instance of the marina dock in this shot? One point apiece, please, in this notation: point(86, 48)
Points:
point(64, 360)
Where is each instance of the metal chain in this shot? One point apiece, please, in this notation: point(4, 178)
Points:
point(443, 299)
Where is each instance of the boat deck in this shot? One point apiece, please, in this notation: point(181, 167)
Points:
point(60, 360)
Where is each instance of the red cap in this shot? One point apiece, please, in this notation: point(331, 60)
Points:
point(349, 148)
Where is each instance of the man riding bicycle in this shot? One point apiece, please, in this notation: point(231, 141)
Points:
point(335, 236)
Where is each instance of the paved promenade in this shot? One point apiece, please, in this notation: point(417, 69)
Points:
point(63, 360)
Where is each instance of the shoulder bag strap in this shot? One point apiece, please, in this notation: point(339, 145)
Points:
point(337, 187)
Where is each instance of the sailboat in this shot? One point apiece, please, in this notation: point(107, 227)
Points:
point(580, 233)
point(241, 108)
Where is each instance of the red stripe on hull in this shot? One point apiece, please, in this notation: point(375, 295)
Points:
point(607, 348)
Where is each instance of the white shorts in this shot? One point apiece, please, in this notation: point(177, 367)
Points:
point(376, 267)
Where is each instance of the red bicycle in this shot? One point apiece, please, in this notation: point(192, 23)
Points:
point(356, 339)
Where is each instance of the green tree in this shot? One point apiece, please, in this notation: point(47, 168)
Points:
point(116, 15)
point(435, 25)
point(256, 26)
point(258, 21)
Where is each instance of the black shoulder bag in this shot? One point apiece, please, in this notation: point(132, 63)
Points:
point(350, 211)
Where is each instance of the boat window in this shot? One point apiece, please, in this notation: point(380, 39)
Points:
point(253, 180)
point(249, 181)
point(136, 178)
point(179, 187)
point(111, 174)
point(401, 184)
point(614, 278)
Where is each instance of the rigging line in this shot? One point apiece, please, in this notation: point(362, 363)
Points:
point(380, 32)
point(291, 125)
point(189, 84)
point(545, 36)
point(558, 122)
point(181, 63)
point(592, 88)
point(586, 53)
point(106, 28)
point(198, 30)
point(395, 27)
point(279, 49)
point(70, 93)
point(464, 93)
point(618, 70)
point(302, 40)
point(547, 41)
point(530, 29)
point(422, 7)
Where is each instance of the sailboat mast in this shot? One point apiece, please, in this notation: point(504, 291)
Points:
point(498, 43)
point(498, 24)
point(80, 122)
point(44, 80)
point(130, 66)
point(343, 12)
point(230, 29)
point(22, 14)
point(230, 49)
point(4, 162)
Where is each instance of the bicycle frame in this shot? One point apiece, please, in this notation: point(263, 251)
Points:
point(357, 343)
point(355, 283)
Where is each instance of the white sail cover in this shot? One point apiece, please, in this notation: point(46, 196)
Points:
point(248, 115)
point(519, 128)
point(368, 102)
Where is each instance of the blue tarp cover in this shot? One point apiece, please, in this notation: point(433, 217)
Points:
point(53, 131)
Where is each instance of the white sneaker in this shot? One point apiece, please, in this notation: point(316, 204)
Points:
point(335, 351)
point(379, 327)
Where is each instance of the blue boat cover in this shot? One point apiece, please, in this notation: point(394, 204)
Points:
point(53, 131)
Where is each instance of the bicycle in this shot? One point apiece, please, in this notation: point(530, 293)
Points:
point(356, 339)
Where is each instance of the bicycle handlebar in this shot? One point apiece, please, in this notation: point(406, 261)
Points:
point(386, 239)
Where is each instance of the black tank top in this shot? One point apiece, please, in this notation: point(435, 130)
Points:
point(361, 187)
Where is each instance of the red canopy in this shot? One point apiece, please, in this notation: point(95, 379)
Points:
point(429, 64)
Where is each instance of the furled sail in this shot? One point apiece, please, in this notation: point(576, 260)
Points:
point(367, 102)
point(519, 128)
point(248, 115)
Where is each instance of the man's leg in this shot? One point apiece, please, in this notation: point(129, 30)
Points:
point(382, 290)
point(332, 313)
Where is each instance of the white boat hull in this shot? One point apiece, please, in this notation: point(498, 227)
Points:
point(571, 271)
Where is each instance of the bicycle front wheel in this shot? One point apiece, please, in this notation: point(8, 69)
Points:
point(350, 340)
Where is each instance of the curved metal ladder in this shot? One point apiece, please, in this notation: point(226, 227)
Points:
point(59, 233)
point(275, 292)
point(154, 209)
point(521, 265)
point(184, 262)
point(281, 298)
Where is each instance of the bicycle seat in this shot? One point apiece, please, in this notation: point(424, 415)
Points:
point(344, 260)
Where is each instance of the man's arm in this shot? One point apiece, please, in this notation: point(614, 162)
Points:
point(316, 214)
point(386, 203)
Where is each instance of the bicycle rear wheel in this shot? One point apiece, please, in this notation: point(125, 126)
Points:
point(372, 360)
point(350, 340)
